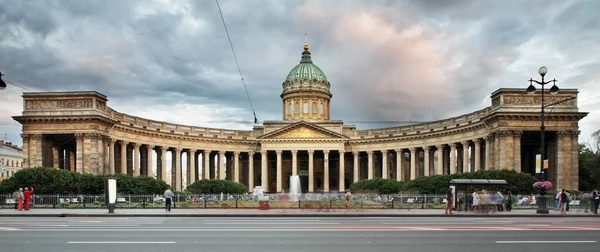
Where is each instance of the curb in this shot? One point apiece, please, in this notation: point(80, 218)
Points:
point(296, 215)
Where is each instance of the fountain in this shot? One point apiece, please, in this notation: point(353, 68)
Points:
point(294, 187)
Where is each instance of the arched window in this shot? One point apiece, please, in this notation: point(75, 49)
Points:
point(297, 108)
point(289, 109)
point(314, 108)
point(322, 109)
point(305, 110)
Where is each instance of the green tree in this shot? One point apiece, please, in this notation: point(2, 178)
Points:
point(216, 186)
point(589, 169)
point(377, 185)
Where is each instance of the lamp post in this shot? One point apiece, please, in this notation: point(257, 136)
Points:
point(2, 83)
point(553, 90)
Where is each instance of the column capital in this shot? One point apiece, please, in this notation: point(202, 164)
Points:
point(311, 152)
point(222, 152)
point(575, 133)
point(251, 154)
point(440, 146)
point(294, 151)
point(412, 149)
point(150, 146)
point(163, 148)
point(123, 142)
point(263, 152)
point(25, 136)
point(518, 133)
point(237, 153)
point(452, 145)
point(562, 133)
point(342, 152)
point(425, 148)
point(465, 143)
point(477, 141)
point(369, 152)
point(78, 136)
point(326, 152)
point(398, 151)
point(355, 152)
point(136, 145)
point(93, 136)
point(176, 149)
point(278, 152)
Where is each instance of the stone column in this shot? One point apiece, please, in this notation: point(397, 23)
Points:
point(517, 153)
point(477, 154)
point(384, 168)
point(236, 166)
point(264, 179)
point(206, 166)
point(79, 159)
point(342, 175)
point(222, 165)
point(26, 154)
point(439, 159)
point(294, 162)
point(326, 171)
point(425, 160)
point(369, 164)
point(55, 157)
point(563, 160)
point(72, 161)
point(177, 167)
point(311, 171)
point(192, 168)
point(123, 157)
point(398, 165)
point(163, 163)
point(278, 174)
point(498, 151)
point(101, 148)
point(149, 170)
point(466, 158)
point(574, 168)
point(453, 162)
point(488, 152)
point(355, 164)
point(111, 156)
point(413, 163)
point(251, 171)
point(136, 162)
point(35, 150)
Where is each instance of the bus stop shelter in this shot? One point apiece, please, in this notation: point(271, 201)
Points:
point(467, 185)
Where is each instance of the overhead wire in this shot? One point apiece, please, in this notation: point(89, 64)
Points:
point(237, 62)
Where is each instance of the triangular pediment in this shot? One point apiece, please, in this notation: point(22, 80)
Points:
point(302, 130)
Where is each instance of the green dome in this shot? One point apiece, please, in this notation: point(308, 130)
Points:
point(306, 70)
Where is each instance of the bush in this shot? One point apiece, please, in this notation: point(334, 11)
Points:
point(216, 186)
point(53, 181)
point(377, 185)
point(518, 183)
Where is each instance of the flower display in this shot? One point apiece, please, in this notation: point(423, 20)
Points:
point(542, 185)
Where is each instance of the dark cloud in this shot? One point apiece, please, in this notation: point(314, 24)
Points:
point(389, 62)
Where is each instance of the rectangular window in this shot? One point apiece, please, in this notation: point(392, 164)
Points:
point(305, 110)
point(289, 109)
point(322, 109)
point(314, 108)
point(297, 108)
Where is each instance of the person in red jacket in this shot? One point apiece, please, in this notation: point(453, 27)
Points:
point(27, 193)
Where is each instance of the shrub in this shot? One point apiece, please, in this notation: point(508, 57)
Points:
point(216, 186)
point(377, 185)
point(53, 181)
point(520, 183)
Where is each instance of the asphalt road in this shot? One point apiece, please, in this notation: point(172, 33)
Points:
point(299, 234)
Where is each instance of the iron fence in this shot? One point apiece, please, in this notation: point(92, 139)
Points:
point(284, 201)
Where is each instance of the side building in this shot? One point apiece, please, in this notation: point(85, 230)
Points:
point(78, 131)
point(11, 159)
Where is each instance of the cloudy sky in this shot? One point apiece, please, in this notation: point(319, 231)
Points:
point(389, 62)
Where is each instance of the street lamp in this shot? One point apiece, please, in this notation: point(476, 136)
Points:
point(2, 83)
point(553, 90)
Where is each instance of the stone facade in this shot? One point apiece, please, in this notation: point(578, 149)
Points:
point(77, 131)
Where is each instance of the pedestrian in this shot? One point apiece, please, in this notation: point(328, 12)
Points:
point(557, 201)
point(20, 197)
point(449, 198)
point(476, 201)
point(15, 197)
point(348, 196)
point(27, 193)
point(564, 198)
point(509, 201)
point(595, 201)
point(168, 199)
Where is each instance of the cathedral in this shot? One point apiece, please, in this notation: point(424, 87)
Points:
point(79, 131)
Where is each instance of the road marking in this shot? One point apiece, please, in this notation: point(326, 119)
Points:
point(275, 223)
point(544, 242)
point(9, 229)
point(121, 242)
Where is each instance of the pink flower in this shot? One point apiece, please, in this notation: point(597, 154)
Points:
point(542, 185)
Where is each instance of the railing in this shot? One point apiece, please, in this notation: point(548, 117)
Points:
point(285, 201)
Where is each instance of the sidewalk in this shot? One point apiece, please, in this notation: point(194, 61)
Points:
point(277, 213)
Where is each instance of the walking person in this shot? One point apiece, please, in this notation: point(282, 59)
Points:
point(509, 201)
point(27, 193)
point(348, 196)
point(15, 197)
point(20, 197)
point(595, 201)
point(168, 199)
point(564, 198)
point(449, 198)
point(476, 201)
